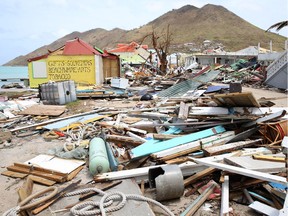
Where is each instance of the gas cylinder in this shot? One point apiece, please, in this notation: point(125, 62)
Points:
point(98, 158)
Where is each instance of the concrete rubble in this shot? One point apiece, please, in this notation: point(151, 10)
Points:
point(188, 141)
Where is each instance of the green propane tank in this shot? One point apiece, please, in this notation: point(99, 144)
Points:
point(98, 158)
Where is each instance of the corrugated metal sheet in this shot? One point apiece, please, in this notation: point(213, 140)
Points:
point(181, 88)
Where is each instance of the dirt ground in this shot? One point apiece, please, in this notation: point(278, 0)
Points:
point(23, 149)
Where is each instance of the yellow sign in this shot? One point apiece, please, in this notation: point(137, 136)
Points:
point(78, 68)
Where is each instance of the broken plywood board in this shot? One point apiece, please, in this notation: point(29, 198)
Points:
point(48, 174)
point(60, 165)
point(49, 167)
point(248, 162)
point(214, 150)
point(44, 110)
point(243, 99)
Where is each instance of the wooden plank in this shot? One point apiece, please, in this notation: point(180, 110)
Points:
point(265, 209)
point(74, 173)
point(214, 150)
point(14, 174)
point(275, 199)
point(148, 148)
point(26, 189)
point(177, 160)
point(41, 180)
point(124, 140)
point(248, 196)
point(48, 175)
point(237, 185)
point(37, 168)
point(165, 136)
point(269, 158)
point(44, 110)
point(201, 143)
point(193, 207)
point(135, 136)
point(242, 171)
point(184, 110)
point(198, 176)
point(180, 153)
point(224, 210)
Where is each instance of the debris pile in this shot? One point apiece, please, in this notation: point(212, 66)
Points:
point(187, 144)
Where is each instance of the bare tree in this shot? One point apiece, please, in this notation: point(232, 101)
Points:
point(161, 43)
point(278, 25)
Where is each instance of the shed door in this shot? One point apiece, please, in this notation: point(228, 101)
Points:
point(111, 68)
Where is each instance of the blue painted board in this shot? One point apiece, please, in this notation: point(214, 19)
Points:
point(148, 147)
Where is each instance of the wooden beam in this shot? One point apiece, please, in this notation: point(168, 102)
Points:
point(179, 154)
point(269, 158)
point(124, 140)
point(24, 191)
point(201, 143)
point(243, 171)
point(198, 176)
point(193, 207)
point(177, 160)
point(149, 148)
point(45, 173)
point(165, 136)
point(41, 180)
point(224, 210)
point(215, 150)
point(275, 199)
point(14, 174)
point(183, 110)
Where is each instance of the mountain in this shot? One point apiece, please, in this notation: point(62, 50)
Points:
point(188, 24)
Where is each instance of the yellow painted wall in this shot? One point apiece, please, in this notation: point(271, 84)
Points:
point(81, 69)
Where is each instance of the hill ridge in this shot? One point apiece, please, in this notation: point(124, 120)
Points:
point(189, 24)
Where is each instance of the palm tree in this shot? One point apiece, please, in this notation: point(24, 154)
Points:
point(278, 25)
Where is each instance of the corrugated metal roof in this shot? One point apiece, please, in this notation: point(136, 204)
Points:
point(181, 88)
point(12, 72)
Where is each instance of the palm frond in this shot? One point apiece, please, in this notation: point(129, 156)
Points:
point(278, 25)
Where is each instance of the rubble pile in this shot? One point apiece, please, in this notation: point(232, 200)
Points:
point(190, 144)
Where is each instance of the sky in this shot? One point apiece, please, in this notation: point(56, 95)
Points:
point(26, 25)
